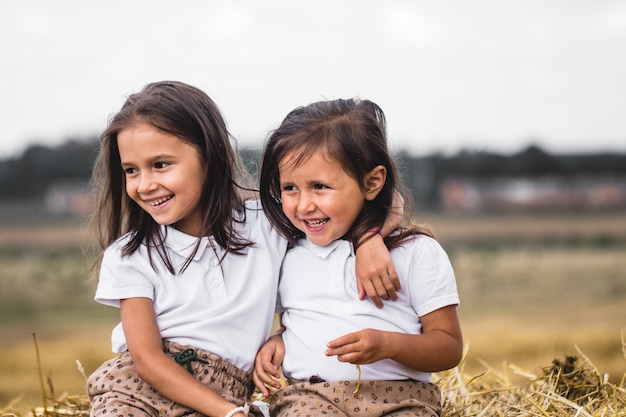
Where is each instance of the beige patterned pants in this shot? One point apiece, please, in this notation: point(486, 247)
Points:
point(115, 390)
point(373, 399)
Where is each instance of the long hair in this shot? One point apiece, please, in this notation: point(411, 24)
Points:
point(353, 133)
point(190, 114)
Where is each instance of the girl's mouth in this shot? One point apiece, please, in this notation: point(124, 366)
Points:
point(155, 203)
point(314, 224)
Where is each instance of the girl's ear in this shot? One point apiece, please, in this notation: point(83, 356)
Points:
point(374, 181)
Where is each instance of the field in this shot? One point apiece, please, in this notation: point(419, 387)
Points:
point(533, 288)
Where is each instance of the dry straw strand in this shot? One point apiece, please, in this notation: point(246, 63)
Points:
point(43, 392)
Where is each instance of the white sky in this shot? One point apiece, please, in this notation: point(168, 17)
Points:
point(492, 75)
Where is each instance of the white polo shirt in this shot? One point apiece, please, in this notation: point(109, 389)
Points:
point(227, 309)
point(319, 297)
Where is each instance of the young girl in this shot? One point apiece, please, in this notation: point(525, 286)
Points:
point(192, 265)
point(326, 179)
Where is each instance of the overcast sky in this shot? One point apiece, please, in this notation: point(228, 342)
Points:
point(493, 75)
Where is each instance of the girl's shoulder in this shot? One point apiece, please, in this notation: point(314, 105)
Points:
point(259, 228)
point(253, 205)
point(120, 254)
point(421, 261)
point(120, 242)
point(247, 211)
point(253, 213)
point(421, 245)
point(116, 249)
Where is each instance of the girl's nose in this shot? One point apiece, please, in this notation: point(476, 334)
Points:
point(146, 184)
point(305, 203)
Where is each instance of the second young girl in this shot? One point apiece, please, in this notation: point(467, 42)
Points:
point(190, 260)
point(327, 178)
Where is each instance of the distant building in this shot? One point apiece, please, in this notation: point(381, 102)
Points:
point(71, 198)
point(471, 194)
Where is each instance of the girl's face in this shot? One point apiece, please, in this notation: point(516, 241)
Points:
point(163, 175)
point(319, 197)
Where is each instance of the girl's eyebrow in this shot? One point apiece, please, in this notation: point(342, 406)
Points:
point(153, 158)
point(163, 156)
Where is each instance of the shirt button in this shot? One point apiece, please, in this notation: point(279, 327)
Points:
point(214, 262)
point(215, 283)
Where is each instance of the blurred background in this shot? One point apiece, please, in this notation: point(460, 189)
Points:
point(506, 118)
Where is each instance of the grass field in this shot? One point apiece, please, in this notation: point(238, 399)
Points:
point(533, 288)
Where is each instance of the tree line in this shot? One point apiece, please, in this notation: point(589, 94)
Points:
point(30, 175)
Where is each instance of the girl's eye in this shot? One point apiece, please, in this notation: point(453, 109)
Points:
point(160, 165)
point(288, 188)
point(319, 186)
point(129, 171)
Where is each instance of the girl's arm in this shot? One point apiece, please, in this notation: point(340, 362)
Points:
point(376, 275)
point(160, 370)
point(438, 348)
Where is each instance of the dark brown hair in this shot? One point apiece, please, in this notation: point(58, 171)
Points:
point(190, 114)
point(352, 132)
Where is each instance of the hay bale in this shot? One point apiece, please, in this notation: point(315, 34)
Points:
point(571, 386)
point(568, 387)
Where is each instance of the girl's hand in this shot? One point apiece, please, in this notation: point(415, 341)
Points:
point(438, 348)
point(376, 275)
point(266, 364)
point(362, 347)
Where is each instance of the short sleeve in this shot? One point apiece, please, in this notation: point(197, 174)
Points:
point(122, 277)
point(432, 282)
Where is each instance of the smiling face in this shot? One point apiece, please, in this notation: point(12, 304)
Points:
point(319, 197)
point(163, 176)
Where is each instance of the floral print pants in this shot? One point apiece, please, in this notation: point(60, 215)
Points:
point(115, 390)
point(373, 399)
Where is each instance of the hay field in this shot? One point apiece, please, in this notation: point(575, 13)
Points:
point(533, 288)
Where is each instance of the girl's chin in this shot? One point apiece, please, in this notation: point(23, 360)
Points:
point(318, 241)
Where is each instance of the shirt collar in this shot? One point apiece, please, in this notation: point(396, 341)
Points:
point(324, 251)
point(184, 244)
